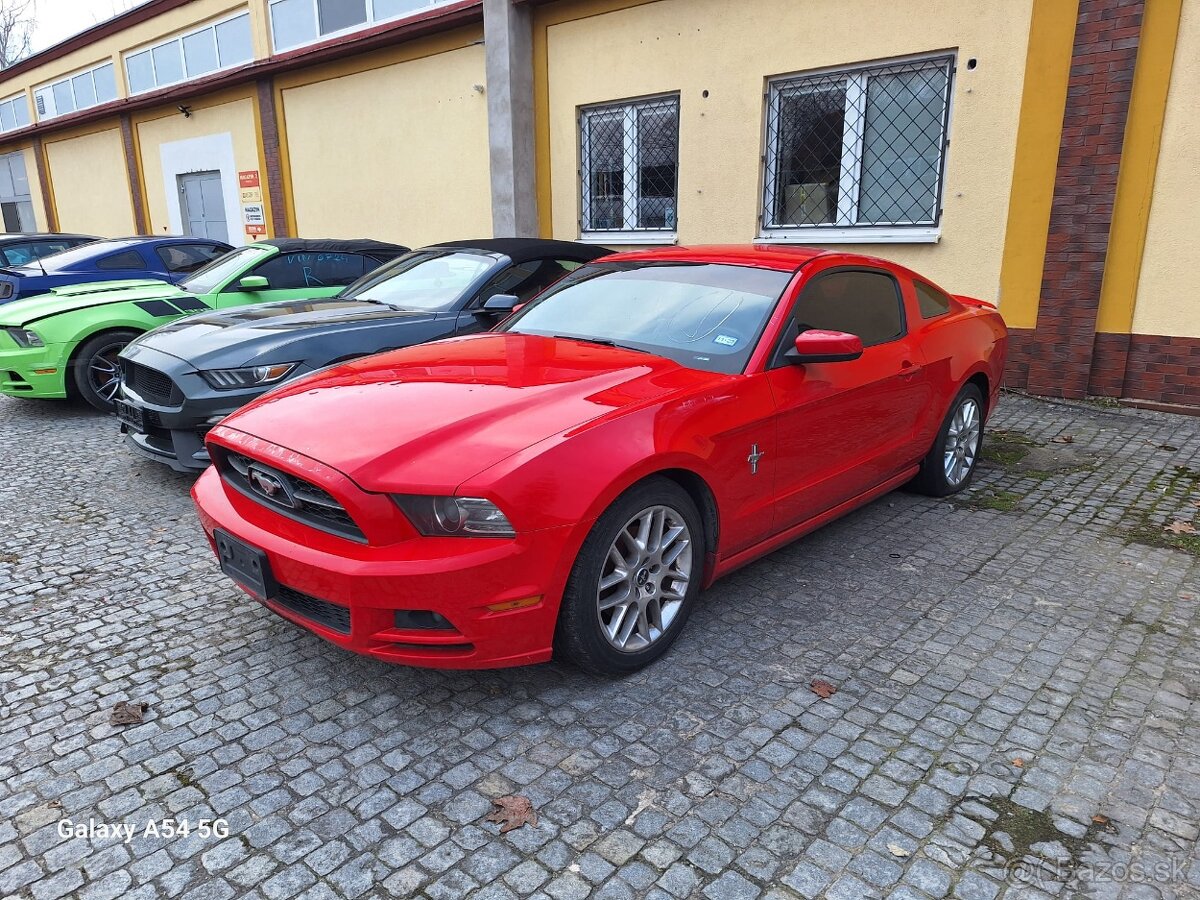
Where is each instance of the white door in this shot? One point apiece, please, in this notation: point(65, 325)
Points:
point(202, 205)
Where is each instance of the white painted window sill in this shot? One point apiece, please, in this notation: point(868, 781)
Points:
point(627, 238)
point(888, 235)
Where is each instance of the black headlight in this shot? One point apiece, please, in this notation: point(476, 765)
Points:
point(25, 337)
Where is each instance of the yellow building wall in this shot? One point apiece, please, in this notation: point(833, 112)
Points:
point(397, 153)
point(90, 184)
point(691, 46)
point(237, 118)
point(173, 21)
point(1166, 293)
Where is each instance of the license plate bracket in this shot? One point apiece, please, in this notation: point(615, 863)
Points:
point(133, 416)
point(246, 565)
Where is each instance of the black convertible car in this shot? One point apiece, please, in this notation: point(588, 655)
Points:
point(181, 379)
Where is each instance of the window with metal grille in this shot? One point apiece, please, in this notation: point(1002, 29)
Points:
point(630, 171)
point(857, 149)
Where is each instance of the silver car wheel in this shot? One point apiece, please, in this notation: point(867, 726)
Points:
point(104, 374)
point(962, 443)
point(644, 579)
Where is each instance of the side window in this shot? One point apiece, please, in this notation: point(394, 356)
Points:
point(187, 257)
point(296, 271)
point(857, 302)
point(128, 259)
point(17, 254)
point(933, 303)
point(526, 280)
point(45, 248)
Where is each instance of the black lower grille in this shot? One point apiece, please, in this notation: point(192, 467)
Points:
point(150, 384)
point(334, 617)
point(295, 498)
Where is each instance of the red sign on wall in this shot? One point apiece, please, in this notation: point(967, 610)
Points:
point(248, 179)
point(256, 229)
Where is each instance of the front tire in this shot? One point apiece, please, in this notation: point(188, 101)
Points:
point(950, 464)
point(634, 582)
point(95, 371)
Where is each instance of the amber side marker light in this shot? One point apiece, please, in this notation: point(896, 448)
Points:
point(515, 604)
point(45, 371)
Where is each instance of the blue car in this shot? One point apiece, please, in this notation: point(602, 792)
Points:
point(166, 259)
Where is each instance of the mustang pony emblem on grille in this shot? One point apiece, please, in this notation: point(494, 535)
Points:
point(271, 486)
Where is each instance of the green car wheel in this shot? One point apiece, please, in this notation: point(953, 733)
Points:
point(95, 368)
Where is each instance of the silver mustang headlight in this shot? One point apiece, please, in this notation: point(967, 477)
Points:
point(253, 376)
point(454, 516)
point(25, 337)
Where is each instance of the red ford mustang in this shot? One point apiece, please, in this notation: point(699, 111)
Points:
point(570, 482)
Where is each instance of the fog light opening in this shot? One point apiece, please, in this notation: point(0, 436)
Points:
point(421, 620)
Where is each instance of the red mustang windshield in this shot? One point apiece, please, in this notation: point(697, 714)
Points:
point(702, 315)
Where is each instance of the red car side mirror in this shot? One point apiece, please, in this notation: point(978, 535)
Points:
point(815, 346)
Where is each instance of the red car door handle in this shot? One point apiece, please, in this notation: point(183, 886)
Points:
point(909, 369)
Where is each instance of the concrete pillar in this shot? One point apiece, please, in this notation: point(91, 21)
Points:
point(508, 51)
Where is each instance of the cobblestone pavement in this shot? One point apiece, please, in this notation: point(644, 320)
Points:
point(1017, 681)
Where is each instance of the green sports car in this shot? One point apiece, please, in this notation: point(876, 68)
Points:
point(65, 343)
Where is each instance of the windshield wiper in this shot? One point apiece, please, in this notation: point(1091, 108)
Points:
point(603, 342)
point(380, 303)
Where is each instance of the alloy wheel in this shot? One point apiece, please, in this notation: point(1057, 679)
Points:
point(644, 579)
point(962, 443)
point(104, 372)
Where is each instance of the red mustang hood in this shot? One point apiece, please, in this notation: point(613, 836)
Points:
point(429, 417)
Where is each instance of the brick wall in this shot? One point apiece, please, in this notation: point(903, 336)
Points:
point(265, 89)
point(1056, 359)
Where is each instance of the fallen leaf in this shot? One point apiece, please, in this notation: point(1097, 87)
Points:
point(1181, 527)
point(1062, 439)
point(897, 850)
point(1168, 447)
point(1105, 823)
point(1019, 763)
point(128, 713)
point(823, 689)
point(54, 804)
point(513, 812)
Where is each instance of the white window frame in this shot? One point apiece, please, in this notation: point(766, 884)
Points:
point(852, 151)
point(372, 20)
point(177, 40)
point(69, 80)
point(619, 109)
point(18, 98)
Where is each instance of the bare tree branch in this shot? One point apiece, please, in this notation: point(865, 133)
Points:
point(16, 30)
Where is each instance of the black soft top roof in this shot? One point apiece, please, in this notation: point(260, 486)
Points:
point(521, 250)
point(335, 245)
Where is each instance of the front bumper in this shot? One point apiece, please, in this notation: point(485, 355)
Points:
point(322, 577)
point(176, 425)
point(33, 371)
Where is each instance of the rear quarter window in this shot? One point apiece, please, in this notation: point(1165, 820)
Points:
point(129, 259)
point(932, 302)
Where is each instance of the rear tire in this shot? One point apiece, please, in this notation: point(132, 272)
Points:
point(94, 369)
point(634, 582)
point(950, 464)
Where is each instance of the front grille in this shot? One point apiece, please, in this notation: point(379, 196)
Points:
point(150, 384)
point(334, 617)
point(298, 499)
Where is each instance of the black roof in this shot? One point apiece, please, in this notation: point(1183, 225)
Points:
point(521, 250)
point(334, 245)
point(42, 235)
